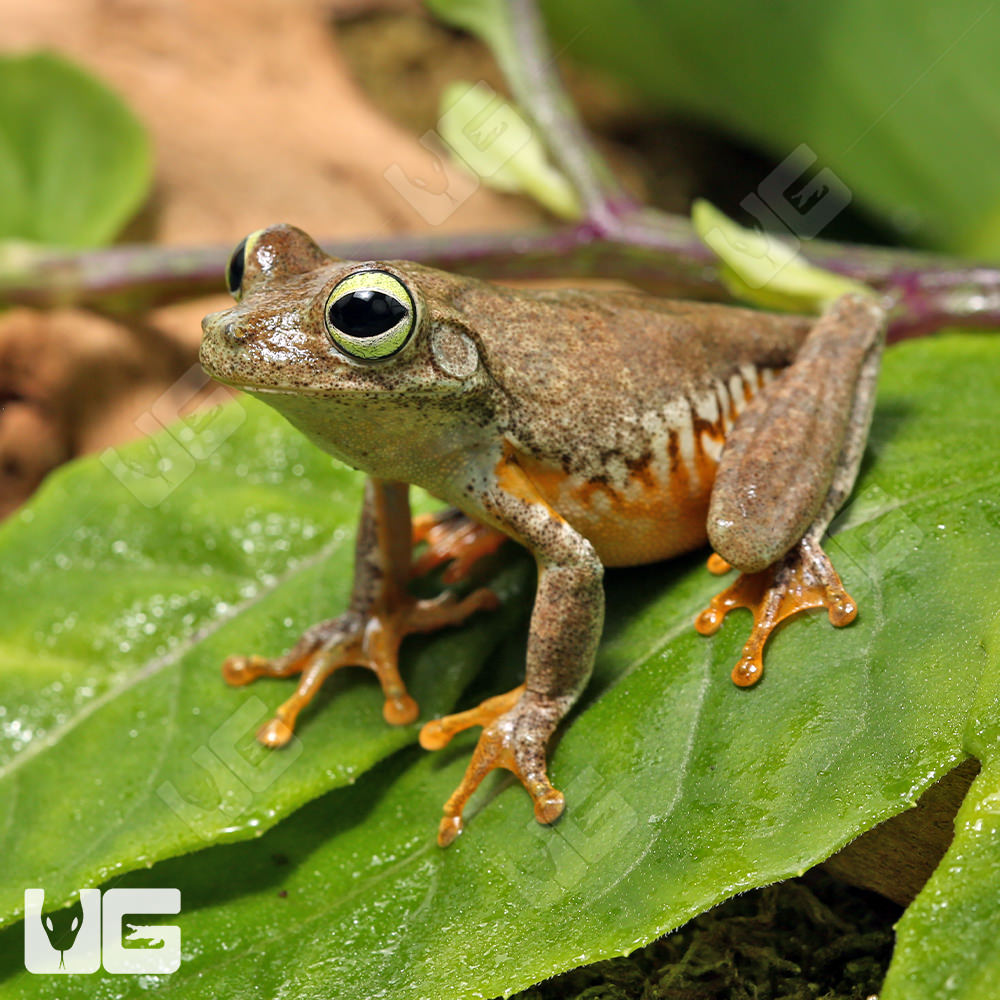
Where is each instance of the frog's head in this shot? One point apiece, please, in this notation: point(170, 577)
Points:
point(343, 348)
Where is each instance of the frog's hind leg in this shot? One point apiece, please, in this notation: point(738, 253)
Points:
point(381, 613)
point(787, 467)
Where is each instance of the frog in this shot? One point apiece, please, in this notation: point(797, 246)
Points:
point(596, 428)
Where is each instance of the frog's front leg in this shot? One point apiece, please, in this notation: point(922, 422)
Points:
point(565, 628)
point(381, 612)
point(787, 466)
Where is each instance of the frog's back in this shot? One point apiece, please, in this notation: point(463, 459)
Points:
point(618, 405)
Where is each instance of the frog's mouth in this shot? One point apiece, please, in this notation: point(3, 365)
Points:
point(256, 389)
point(213, 362)
point(219, 366)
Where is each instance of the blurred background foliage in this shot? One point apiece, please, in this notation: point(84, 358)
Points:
point(75, 163)
point(898, 98)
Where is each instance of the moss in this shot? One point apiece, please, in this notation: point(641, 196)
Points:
point(806, 939)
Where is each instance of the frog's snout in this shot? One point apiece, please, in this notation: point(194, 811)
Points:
point(222, 331)
point(215, 326)
point(222, 337)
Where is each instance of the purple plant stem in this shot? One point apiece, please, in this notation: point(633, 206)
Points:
point(650, 249)
point(616, 239)
point(530, 69)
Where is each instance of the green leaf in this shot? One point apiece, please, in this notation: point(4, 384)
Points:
point(947, 939)
point(682, 789)
point(75, 163)
point(759, 268)
point(501, 127)
point(126, 583)
point(895, 97)
point(495, 143)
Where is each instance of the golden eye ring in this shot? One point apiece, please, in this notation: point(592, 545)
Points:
point(370, 315)
point(235, 268)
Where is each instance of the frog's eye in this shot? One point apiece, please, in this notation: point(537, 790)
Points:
point(235, 268)
point(370, 315)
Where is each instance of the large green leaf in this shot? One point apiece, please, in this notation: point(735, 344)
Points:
point(75, 163)
point(897, 97)
point(682, 789)
point(947, 939)
point(123, 591)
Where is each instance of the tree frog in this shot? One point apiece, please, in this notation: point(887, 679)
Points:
point(594, 428)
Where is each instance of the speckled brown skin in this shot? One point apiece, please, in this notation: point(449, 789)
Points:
point(788, 466)
point(793, 436)
point(587, 426)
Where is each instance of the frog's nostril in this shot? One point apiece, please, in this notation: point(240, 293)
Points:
point(216, 326)
point(230, 332)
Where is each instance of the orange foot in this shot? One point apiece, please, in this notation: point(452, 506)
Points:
point(515, 734)
point(803, 579)
point(355, 638)
point(450, 535)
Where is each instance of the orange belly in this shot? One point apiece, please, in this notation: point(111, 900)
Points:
point(658, 513)
point(641, 510)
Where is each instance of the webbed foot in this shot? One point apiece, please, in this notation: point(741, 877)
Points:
point(516, 730)
point(802, 579)
point(452, 536)
point(367, 639)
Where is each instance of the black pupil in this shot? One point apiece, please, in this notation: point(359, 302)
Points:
point(366, 313)
point(234, 270)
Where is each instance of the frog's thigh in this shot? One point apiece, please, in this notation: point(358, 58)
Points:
point(793, 456)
